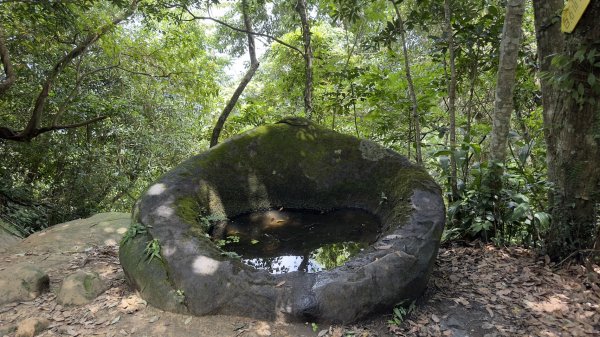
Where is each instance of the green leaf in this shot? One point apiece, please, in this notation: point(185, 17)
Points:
point(476, 148)
point(543, 218)
point(519, 212)
point(442, 153)
point(592, 55)
point(579, 55)
point(591, 79)
point(521, 198)
point(444, 162)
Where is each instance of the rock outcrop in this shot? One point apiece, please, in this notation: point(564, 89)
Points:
point(80, 288)
point(22, 283)
point(295, 164)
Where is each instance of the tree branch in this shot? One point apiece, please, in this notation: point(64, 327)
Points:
point(71, 96)
point(133, 72)
point(223, 23)
point(33, 128)
point(71, 126)
point(40, 102)
point(214, 140)
point(8, 134)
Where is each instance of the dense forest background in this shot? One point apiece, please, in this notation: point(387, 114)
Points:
point(98, 98)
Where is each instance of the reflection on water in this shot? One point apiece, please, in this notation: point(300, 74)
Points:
point(282, 241)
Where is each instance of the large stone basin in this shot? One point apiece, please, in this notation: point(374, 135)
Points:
point(293, 164)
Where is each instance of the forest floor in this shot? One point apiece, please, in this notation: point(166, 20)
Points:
point(474, 291)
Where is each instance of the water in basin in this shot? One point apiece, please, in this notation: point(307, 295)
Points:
point(282, 241)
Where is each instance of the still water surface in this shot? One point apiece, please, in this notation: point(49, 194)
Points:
point(282, 241)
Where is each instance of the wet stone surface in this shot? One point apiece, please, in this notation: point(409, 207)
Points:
point(282, 241)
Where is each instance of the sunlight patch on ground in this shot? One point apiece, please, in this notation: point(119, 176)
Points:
point(554, 303)
point(263, 329)
point(110, 242)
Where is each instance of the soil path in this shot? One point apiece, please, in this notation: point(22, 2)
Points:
point(474, 291)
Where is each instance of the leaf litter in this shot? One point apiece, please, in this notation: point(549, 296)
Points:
point(518, 292)
point(474, 291)
point(486, 291)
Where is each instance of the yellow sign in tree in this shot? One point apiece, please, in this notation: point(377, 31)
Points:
point(571, 14)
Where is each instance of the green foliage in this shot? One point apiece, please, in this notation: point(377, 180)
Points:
point(180, 294)
point(19, 210)
point(206, 221)
point(159, 82)
point(153, 79)
point(232, 255)
point(400, 312)
point(230, 239)
point(576, 74)
point(153, 250)
point(134, 230)
point(507, 216)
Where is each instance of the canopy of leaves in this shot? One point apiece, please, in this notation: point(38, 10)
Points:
point(161, 76)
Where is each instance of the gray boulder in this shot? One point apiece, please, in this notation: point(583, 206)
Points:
point(80, 288)
point(22, 283)
point(168, 256)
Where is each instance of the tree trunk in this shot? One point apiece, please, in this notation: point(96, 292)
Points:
point(550, 42)
point(451, 98)
point(505, 84)
point(572, 120)
point(308, 58)
point(467, 137)
point(10, 76)
point(411, 88)
point(214, 140)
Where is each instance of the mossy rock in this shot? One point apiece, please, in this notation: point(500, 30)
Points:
point(293, 164)
point(80, 287)
point(22, 282)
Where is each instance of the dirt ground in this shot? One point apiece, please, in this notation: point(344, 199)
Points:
point(478, 291)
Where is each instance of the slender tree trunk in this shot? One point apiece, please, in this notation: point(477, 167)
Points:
point(9, 72)
point(308, 58)
point(550, 42)
point(349, 51)
point(214, 140)
point(451, 98)
point(505, 84)
point(467, 138)
point(411, 87)
point(573, 131)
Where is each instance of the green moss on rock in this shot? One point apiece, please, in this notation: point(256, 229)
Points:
point(149, 277)
point(295, 164)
